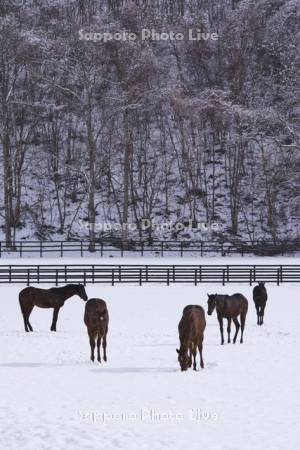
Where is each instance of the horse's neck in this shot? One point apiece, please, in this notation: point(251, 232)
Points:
point(67, 292)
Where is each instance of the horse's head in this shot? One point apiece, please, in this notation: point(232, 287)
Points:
point(211, 303)
point(184, 359)
point(81, 292)
point(261, 283)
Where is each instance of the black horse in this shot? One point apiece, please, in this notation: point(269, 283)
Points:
point(47, 298)
point(229, 307)
point(260, 297)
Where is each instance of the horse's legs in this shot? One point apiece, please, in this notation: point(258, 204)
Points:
point(194, 352)
point(98, 347)
point(258, 314)
point(190, 357)
point(200, 347)
point(54, 320)
point(262, 314)
point(104, 346)
point(237, 327)
point(228, 329)
point(28, 311)
point(92, 343)
point(220, 319)
point(243, 320)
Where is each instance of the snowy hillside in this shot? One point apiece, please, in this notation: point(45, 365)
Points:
point(95, 133)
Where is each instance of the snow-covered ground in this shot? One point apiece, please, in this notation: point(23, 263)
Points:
point(54, 397)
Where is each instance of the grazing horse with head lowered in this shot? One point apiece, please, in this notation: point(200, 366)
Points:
point(96, 319)
point(191, 333)
point(229, 307)
point(47, 298)
point(260, 297)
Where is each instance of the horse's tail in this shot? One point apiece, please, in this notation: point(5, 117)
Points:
point(22, 297)
point(102, 314)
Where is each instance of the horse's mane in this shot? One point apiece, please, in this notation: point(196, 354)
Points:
point(62, 288)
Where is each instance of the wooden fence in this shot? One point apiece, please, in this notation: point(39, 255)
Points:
point(161, 248)
point(144, 274)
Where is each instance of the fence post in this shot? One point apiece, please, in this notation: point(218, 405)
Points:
point(142, 249)
point(61, 249)
point(201, 249)
point(181, 248)
point(41, 249)
point(0, 249)
point(122, 249)
point(250, 275)
point(84, 277)
point(168, 277)
point(112, 277)
point(66, 274)
point(140, 281)
point(278, 277)
point(101, 248)
point(223, 281)
point(28, 277)
point(93, 274)
point(21, 249)
point(81, 249)
point(147, 273)
point(195, 277)
point(38, 274)
point(56, 277)
point(162, 248)
point(174, 277)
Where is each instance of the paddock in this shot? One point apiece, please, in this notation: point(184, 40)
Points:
point(246, 397)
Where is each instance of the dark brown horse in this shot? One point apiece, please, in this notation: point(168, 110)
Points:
point(191, 333)
point(47, 298)
point(96, 319)
point(229, 307)
point(260, 297)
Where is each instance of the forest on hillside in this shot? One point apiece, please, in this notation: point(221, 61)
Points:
point(95, 132)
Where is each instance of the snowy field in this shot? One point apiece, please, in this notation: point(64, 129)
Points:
point(54, 397)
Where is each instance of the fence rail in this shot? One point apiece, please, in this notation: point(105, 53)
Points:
point(162, 248)
point(143, 274)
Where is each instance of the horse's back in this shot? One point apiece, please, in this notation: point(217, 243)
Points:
point(193, 319)
point(239, 302)
point(94, 309)
point(260, 294)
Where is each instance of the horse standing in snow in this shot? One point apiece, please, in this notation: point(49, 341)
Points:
point(260, 297)
point(96, 319)
point(191, 333)
point(229, 307)
point(47, 298)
